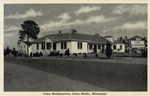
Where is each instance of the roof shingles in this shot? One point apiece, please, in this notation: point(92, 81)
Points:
point(77, 36)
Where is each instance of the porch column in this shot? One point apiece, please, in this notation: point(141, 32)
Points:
point(52, 46)
point(45, 45)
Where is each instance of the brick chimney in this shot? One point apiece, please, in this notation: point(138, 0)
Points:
point(73, 31)
point(59, 32)
point(97, 34)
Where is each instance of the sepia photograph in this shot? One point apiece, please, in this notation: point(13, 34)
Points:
point(75, 47)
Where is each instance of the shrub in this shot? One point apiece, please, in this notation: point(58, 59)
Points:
point(144, 52)
point(51, 54)
point(40, 54)
point(31, 54)
point(126, 51)
point(67, 52)
point(20, 54)
point(61, 54)
point(75, 54)
point(85, 55)
point(37, 54)
point(54, 53)
point(96, 55)
point(14, 52)
point(7, 51)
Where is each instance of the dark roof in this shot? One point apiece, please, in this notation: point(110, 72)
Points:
point(133, 38)
point(74, 37)
point(109, 36)
point(117, 42)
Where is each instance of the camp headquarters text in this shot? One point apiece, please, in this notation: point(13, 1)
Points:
point(75, 93)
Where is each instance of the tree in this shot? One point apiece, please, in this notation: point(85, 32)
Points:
point(120, 39)
point(108, 50)
point(30, 30)
point(145, 41)
point(7, 51)
point(126, 41)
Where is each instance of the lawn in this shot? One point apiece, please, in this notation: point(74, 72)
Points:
point(24, 78)
point(113, 76)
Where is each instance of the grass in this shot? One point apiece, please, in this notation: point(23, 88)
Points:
point(113, 76)
point(23, 78)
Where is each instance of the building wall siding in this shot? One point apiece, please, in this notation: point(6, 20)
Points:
point(71, 45)
point(118, 47)
point(74, 47)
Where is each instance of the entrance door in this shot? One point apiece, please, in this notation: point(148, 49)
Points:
point(95, 48)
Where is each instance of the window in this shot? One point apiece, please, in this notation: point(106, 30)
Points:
point(99, 46)
point(79, 45)
point(63, 45)
point(114, 46)
point(37, 46)
point(54, 46)
point(90, 46)
point(120, 46)
point(43, 46)
point(48, 45)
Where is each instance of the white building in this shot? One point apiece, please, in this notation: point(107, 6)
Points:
point(137, 43)
point(118, 47)
point(75, 42)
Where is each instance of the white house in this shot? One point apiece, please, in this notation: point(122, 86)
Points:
point(75, 42)
point(118, 47)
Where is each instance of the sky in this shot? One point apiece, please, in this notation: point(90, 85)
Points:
point(105, 19)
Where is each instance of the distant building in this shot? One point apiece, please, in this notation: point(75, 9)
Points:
point(109, 38)
point(137, 38)
point(75, 42)
point(137, 43)
point(118, 47)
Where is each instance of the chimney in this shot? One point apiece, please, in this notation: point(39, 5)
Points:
point(73, 31)
point(59, 32)
point(96, 34)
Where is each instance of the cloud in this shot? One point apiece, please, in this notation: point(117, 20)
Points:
point(11, 28)
point(86, 9)
point(9, 35)
point(131, 9)
point(99, 19)
point(64, 16)
point(55, 25)
point(28, 14)
point(132, 26)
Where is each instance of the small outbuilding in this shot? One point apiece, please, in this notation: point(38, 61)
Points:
point(118, 47)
